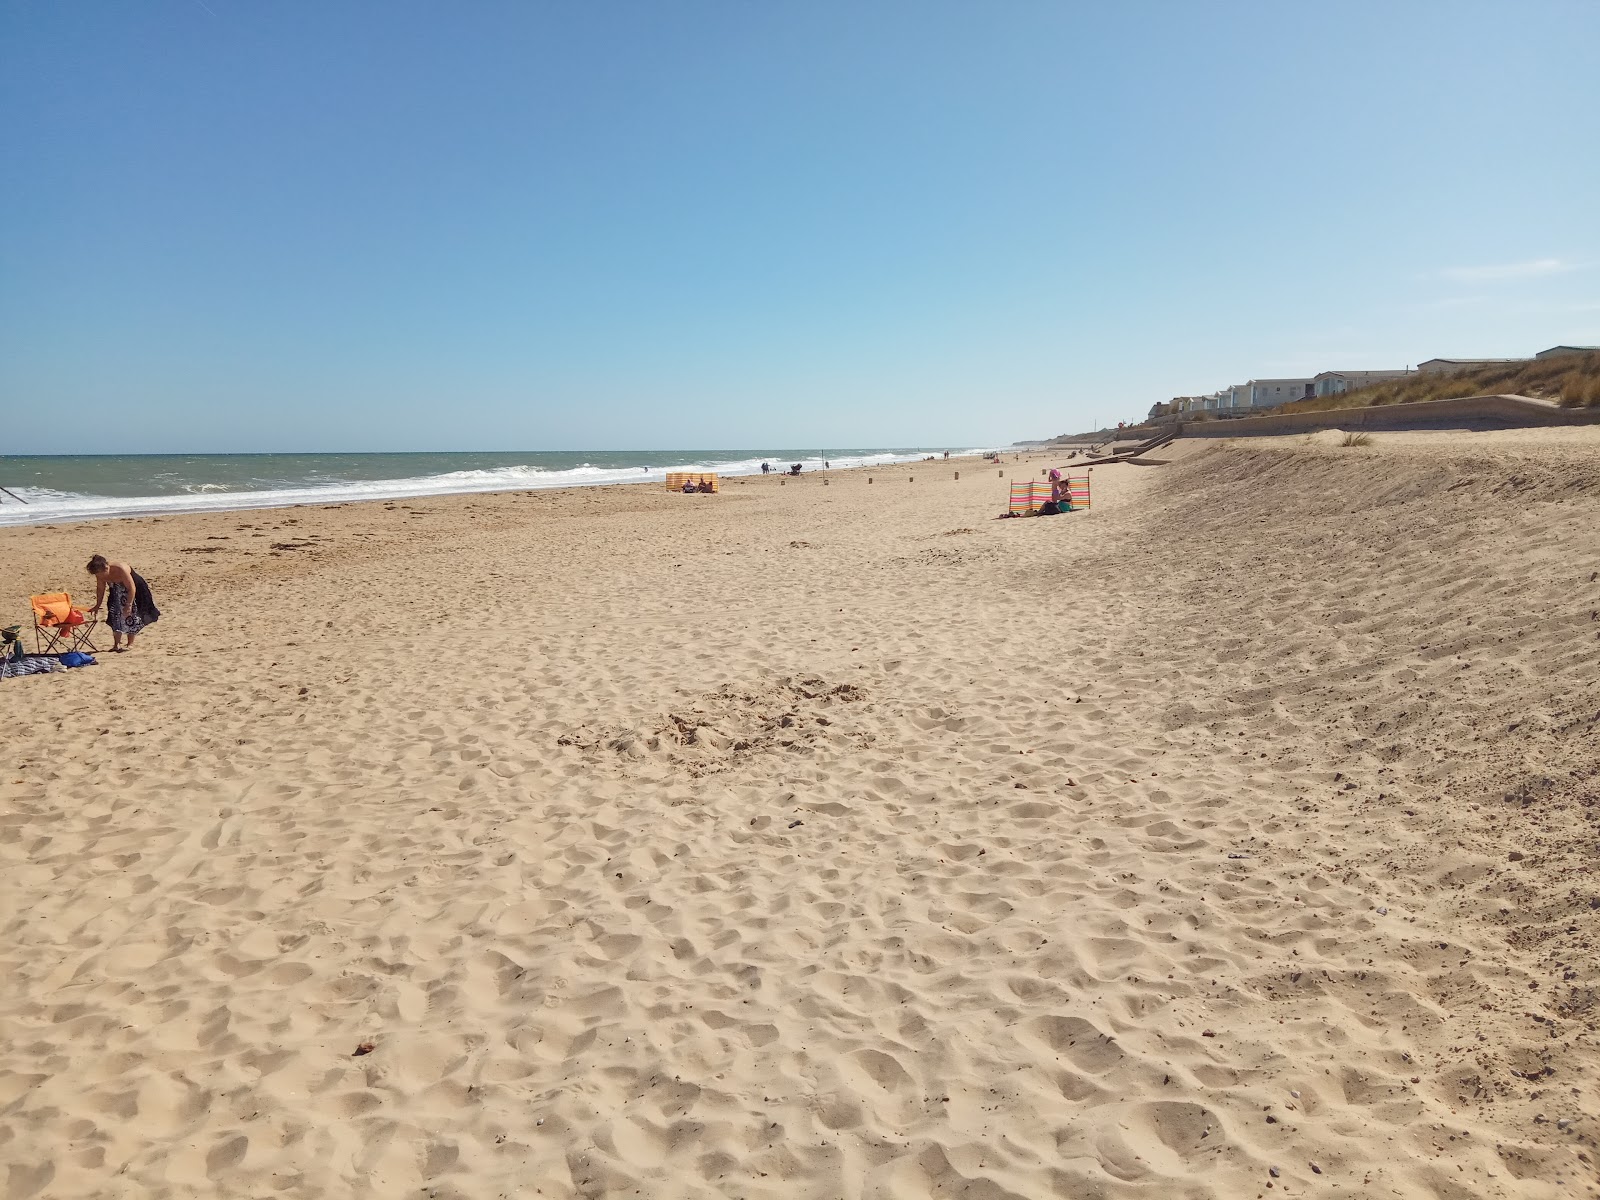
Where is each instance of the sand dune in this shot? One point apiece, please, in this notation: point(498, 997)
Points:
point(1234, 838)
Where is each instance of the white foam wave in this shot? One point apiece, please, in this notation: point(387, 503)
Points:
point(46, 506)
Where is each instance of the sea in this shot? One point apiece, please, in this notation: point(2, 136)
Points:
point(43, 489)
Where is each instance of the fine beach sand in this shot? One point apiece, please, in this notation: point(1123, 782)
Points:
point(1236, 838)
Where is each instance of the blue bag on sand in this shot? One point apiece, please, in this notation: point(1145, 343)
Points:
point(76, 658)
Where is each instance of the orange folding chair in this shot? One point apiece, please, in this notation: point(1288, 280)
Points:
point(58, 627)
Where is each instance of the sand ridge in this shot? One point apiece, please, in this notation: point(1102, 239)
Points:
point(827, 840)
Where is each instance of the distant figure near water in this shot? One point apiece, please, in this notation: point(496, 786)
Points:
point(129, 606)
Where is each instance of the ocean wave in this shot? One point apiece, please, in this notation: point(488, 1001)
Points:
point(45, 505)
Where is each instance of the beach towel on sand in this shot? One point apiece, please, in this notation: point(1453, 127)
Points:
point(31, 664)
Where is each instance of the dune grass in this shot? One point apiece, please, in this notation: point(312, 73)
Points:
point(1572, 380)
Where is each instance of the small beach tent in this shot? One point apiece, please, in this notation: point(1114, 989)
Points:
point(58, 627)
point(676, 480)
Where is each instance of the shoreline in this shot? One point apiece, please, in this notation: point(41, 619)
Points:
point(399, 488)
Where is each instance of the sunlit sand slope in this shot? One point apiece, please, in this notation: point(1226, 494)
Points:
point(1234, 838)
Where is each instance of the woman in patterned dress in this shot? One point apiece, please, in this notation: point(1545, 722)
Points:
point(129, 607)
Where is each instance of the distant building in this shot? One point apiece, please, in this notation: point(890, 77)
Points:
point(1225, 398)
point(1336, 383)
point(1563, 351)
point(1266, 393)
point(1448, 366)
point(1256, 393)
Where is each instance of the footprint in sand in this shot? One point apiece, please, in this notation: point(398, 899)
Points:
point(1160, 1137)
point(1077, 1041)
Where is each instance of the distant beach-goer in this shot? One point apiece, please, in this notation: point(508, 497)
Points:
point(129, 605)
point(765, 468)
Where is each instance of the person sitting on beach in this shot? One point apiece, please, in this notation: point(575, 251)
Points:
point(1058, 502)
point(707, 486)
point(795, 470)
point(689, 487)
point(129, 606)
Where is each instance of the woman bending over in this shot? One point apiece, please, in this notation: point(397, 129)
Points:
point(130, 606)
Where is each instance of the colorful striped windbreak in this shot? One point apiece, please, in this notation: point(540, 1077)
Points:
point(1030, 495)
point(676, 479)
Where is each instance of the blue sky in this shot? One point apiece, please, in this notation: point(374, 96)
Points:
point(232, 226)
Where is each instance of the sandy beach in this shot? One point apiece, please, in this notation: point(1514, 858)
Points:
point(824, 839)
